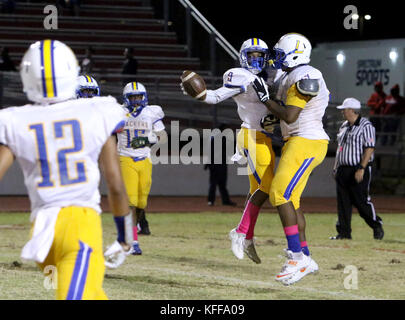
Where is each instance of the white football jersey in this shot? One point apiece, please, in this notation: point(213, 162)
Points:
point(58, 146)
point(309, 123)
point(237, 84)
point(144, 122)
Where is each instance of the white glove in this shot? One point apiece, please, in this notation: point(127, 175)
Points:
point(115, 255)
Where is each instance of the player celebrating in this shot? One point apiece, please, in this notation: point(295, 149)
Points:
point(253, 141)
point(58, 142)
point(87, 87)
point(143, 123)
point(305, 97)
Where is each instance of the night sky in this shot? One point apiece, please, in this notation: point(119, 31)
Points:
point(319, 21)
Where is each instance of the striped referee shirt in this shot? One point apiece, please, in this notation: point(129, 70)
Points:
point(352, 140)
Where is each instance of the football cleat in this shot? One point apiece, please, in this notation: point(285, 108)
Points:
point(249, 249)
point(136, 250)
point(143, 227)
point(301, 271)
point(313, 266)
point(237, 243)
point(293, 268)
point(378, 233)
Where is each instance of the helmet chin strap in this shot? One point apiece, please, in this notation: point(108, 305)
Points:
point(136, 108)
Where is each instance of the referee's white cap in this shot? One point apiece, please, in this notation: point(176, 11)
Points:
point(350, 103)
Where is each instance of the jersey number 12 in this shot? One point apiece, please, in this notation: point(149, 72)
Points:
point(61, 156)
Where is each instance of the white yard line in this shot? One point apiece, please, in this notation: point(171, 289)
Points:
point(272, 284)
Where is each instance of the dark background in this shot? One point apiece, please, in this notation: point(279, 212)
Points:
point(319, 21)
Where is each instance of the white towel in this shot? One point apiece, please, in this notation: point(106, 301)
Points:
point(38, 247)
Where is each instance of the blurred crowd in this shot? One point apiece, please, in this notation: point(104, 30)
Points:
point(385, 112)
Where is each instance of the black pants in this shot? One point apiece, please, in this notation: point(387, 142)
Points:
point(218, 177)
point(349, 194)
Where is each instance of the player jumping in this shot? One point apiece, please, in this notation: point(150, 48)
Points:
point(304, 97)
point(253, 141)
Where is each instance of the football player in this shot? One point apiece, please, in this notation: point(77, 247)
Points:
point(253, 141)
point(58, 142)
point(87, 87)
point(304, 97)
point(143, 127)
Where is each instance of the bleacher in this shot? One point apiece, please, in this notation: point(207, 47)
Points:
point(109, 26)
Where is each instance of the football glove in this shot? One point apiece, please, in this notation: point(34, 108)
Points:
point(269, 122)
point(115, 255)
point(140, 142)
point(261, 89)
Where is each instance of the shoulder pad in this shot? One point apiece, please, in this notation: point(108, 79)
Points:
point(157, 111)
point(308, 87)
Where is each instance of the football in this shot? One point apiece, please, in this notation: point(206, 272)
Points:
point(194, 85)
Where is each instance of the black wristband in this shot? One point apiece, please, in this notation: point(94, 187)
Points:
point(359, 166)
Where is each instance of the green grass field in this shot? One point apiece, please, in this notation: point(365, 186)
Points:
point(188, 257)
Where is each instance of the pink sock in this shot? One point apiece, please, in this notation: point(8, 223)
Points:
point(135, 232)
point(248, 221)
point(291, 230)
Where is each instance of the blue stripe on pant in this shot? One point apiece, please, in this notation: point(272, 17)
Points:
point(297, 177)
point(80, 270)
point(252, 166)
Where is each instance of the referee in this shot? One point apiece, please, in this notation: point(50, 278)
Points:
point(352, 171)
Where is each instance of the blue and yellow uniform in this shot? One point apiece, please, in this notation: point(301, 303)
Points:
point(136, 165)
point(58, 147)
point(306, 142)
point(253, 142)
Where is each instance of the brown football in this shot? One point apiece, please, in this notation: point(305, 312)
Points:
point(194, 84)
